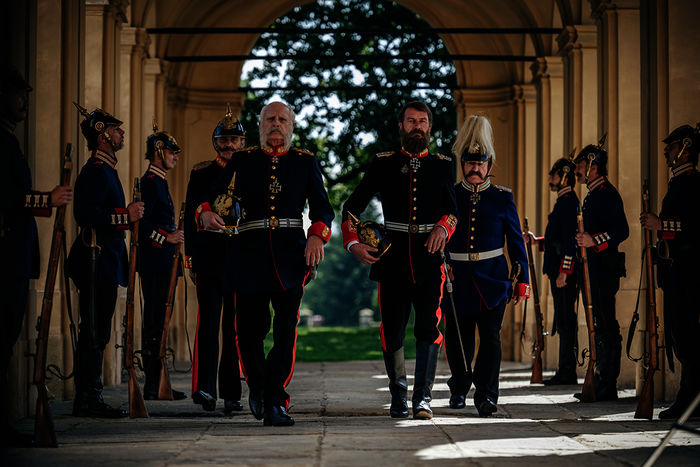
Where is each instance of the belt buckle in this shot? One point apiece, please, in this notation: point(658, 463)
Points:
point(412, 228)
point(473, 256)
point(274, 223)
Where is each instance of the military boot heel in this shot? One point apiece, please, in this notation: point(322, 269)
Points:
point(398, 385)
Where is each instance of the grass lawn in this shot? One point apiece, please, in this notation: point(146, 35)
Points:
point(337, 344)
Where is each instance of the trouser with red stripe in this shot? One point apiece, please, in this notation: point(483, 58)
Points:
point(211, 298)
point(395, 300)
point(269, 375)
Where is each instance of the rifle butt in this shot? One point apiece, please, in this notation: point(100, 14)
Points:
point(536, 377)
point(165, 390)
point(137, 406)
point(588, 389)
point(44, 432)
point(645, 405)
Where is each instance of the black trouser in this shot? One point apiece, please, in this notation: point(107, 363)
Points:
point(88, 372)
point(604, 285)
point(211, 298)
point(270, 374)
point(566, 323)
point(14, 292)
point(488, 360)
point(395, 300)
point(681, 318)
point(155, 297)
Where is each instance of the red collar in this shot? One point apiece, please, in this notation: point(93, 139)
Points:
point(597, 182)
point(274, 151)
point(421, 154)
point(220, 161)
point(105, 157)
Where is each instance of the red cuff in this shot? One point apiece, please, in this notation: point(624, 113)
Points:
point(120, 219)
point(449, 222)
point(188, 262)
point(601, 240)
point(39, 203)
point(37, 212)
point(522, 290)
point(158, 237)
point(204, 207)
point(320, 229)
point(567, 265)
point(349, 233)
point(668, 235)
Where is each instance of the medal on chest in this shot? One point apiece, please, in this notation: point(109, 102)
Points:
point(415, 163)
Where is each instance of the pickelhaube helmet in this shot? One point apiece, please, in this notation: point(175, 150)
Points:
point(95, 123)
point(159, 140)
point(689, 140)
point(474, 141)
point(564, 167)
point(227, 126)
point(594, 154)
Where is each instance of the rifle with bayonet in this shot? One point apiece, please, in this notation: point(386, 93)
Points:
point(538, 344)
point(44, 432)
point(645, 405)
point(588, 389)
point(137, 406)
point(165, 390)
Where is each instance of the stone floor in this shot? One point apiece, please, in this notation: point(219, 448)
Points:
point(341, 412)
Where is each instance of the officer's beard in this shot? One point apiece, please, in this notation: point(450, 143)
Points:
point(414, 142)
point(264, 136)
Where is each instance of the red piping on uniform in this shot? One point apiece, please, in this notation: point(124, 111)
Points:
point(294, 348)
point(381, 325)
point(438, 312)
point(235, 326)
point(274, 262)
point(480, 296)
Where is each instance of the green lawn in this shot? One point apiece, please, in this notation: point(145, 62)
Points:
point(337, 344)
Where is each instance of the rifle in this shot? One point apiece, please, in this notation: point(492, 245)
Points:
point(538, 344)
point(44, 432)
point(165, 390)
point(137, 406)
point(588, 390)
point(645, 405)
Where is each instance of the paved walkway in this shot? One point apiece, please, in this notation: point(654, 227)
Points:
point(341, 412)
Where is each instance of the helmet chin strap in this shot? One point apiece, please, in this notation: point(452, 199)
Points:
point(686, 143)
point(589, 164)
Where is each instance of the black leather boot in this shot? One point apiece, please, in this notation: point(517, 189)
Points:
point(398, 385)
point(426, 364)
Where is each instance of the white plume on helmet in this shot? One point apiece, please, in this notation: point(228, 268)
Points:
point(475, 137)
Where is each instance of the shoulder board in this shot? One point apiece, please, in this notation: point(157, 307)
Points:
point(305, 152)
point(443, 157)
point(202, 165)
point(504, 188)
point(385, 154)
point(247, 149)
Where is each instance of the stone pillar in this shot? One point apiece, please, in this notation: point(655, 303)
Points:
point(619, 117)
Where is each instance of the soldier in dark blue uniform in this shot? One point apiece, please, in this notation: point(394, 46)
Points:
point(417, 196)
point(210, 257)
point(158, 238)
point(559, 246)
point(487, 221)
point(273, 184)
point(678, 226)
point(19, 242)
point(103, 216)
point(605, 227)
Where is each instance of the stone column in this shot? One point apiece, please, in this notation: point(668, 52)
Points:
point(619, 117)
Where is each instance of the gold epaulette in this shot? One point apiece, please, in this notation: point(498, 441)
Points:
point(504, 188)
point(385, 154)
point(202, 165)
point(443, 157)
point(304, 151)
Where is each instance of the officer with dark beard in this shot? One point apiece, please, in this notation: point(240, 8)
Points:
point(418, 203)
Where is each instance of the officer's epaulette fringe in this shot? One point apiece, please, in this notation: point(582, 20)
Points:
point(504, 188)
point(443, 157)
point(304, 151)
point(202, 165)
point(385, 154)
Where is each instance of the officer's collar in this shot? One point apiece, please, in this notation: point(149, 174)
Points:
point(107, 158)
point(221, 162)
point(596, 183)
point(423, 153)
point(480, 187)
point(276, 151)
point(562, 191)
point(157, 170)
point(683, 168)
point(7, 125)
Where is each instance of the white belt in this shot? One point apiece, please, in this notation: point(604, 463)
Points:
point(476, 256)
point(270, 223)
point(410, 228)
